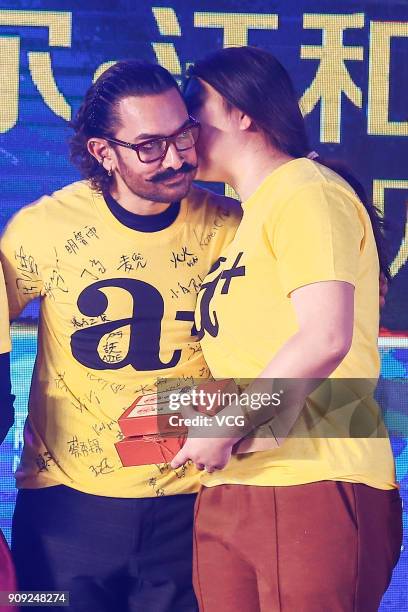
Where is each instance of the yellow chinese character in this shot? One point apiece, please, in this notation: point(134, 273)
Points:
point(59, 34)
point(332, 78)
point(379, 79)
point(101, 69)
point(166, 53)
point(236, 25)
point(379, 187)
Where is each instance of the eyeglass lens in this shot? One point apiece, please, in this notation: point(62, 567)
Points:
point(152, 151)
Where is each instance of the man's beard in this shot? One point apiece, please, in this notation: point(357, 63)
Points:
point(154, 189)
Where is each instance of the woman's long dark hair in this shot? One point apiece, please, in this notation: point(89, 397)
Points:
point(253, 80)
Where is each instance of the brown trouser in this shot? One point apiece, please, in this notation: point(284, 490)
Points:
point(319, 547)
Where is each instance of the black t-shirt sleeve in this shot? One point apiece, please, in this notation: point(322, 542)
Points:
point(6, 398)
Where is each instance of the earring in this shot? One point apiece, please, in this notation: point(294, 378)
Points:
point(110, 172)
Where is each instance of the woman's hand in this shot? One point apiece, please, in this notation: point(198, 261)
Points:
point(206, 453)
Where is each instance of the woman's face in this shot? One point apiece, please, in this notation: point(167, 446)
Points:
point(216, 143)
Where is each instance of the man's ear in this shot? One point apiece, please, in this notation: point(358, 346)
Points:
point(101, 151)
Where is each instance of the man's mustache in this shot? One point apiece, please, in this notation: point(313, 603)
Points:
point(169, 173)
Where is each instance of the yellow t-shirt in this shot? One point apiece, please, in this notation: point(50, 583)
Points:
point(304, 224)
point(5, 345)
point(116, 318)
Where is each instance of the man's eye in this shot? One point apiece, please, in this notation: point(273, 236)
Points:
point(150, 146)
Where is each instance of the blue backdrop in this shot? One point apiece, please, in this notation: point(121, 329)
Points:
point(349, 61)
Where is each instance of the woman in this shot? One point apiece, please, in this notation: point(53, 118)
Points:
point(314, 524)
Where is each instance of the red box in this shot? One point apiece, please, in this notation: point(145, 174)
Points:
point(148, 415)
point(148, 450)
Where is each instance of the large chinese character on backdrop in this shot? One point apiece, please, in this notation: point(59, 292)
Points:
point(349, 65)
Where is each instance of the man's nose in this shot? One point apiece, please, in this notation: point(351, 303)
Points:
point(173, 158)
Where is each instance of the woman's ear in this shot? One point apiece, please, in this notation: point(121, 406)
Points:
point(239, 119)
point(245, 121)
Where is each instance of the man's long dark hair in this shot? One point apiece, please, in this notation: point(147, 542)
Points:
point(98, 114)
point(255, 82)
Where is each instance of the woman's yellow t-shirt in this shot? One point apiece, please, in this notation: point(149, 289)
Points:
point(304, 224)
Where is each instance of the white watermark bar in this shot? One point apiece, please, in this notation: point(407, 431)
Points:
point(276, 408)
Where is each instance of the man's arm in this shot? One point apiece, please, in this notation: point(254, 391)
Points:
point(20, 283)
point(20, 262)
point(6, 398)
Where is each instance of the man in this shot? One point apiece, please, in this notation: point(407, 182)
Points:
point(117, 261)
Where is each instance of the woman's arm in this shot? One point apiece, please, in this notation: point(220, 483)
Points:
point(325, 315)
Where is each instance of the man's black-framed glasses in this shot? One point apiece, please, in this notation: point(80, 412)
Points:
point(154, 149)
